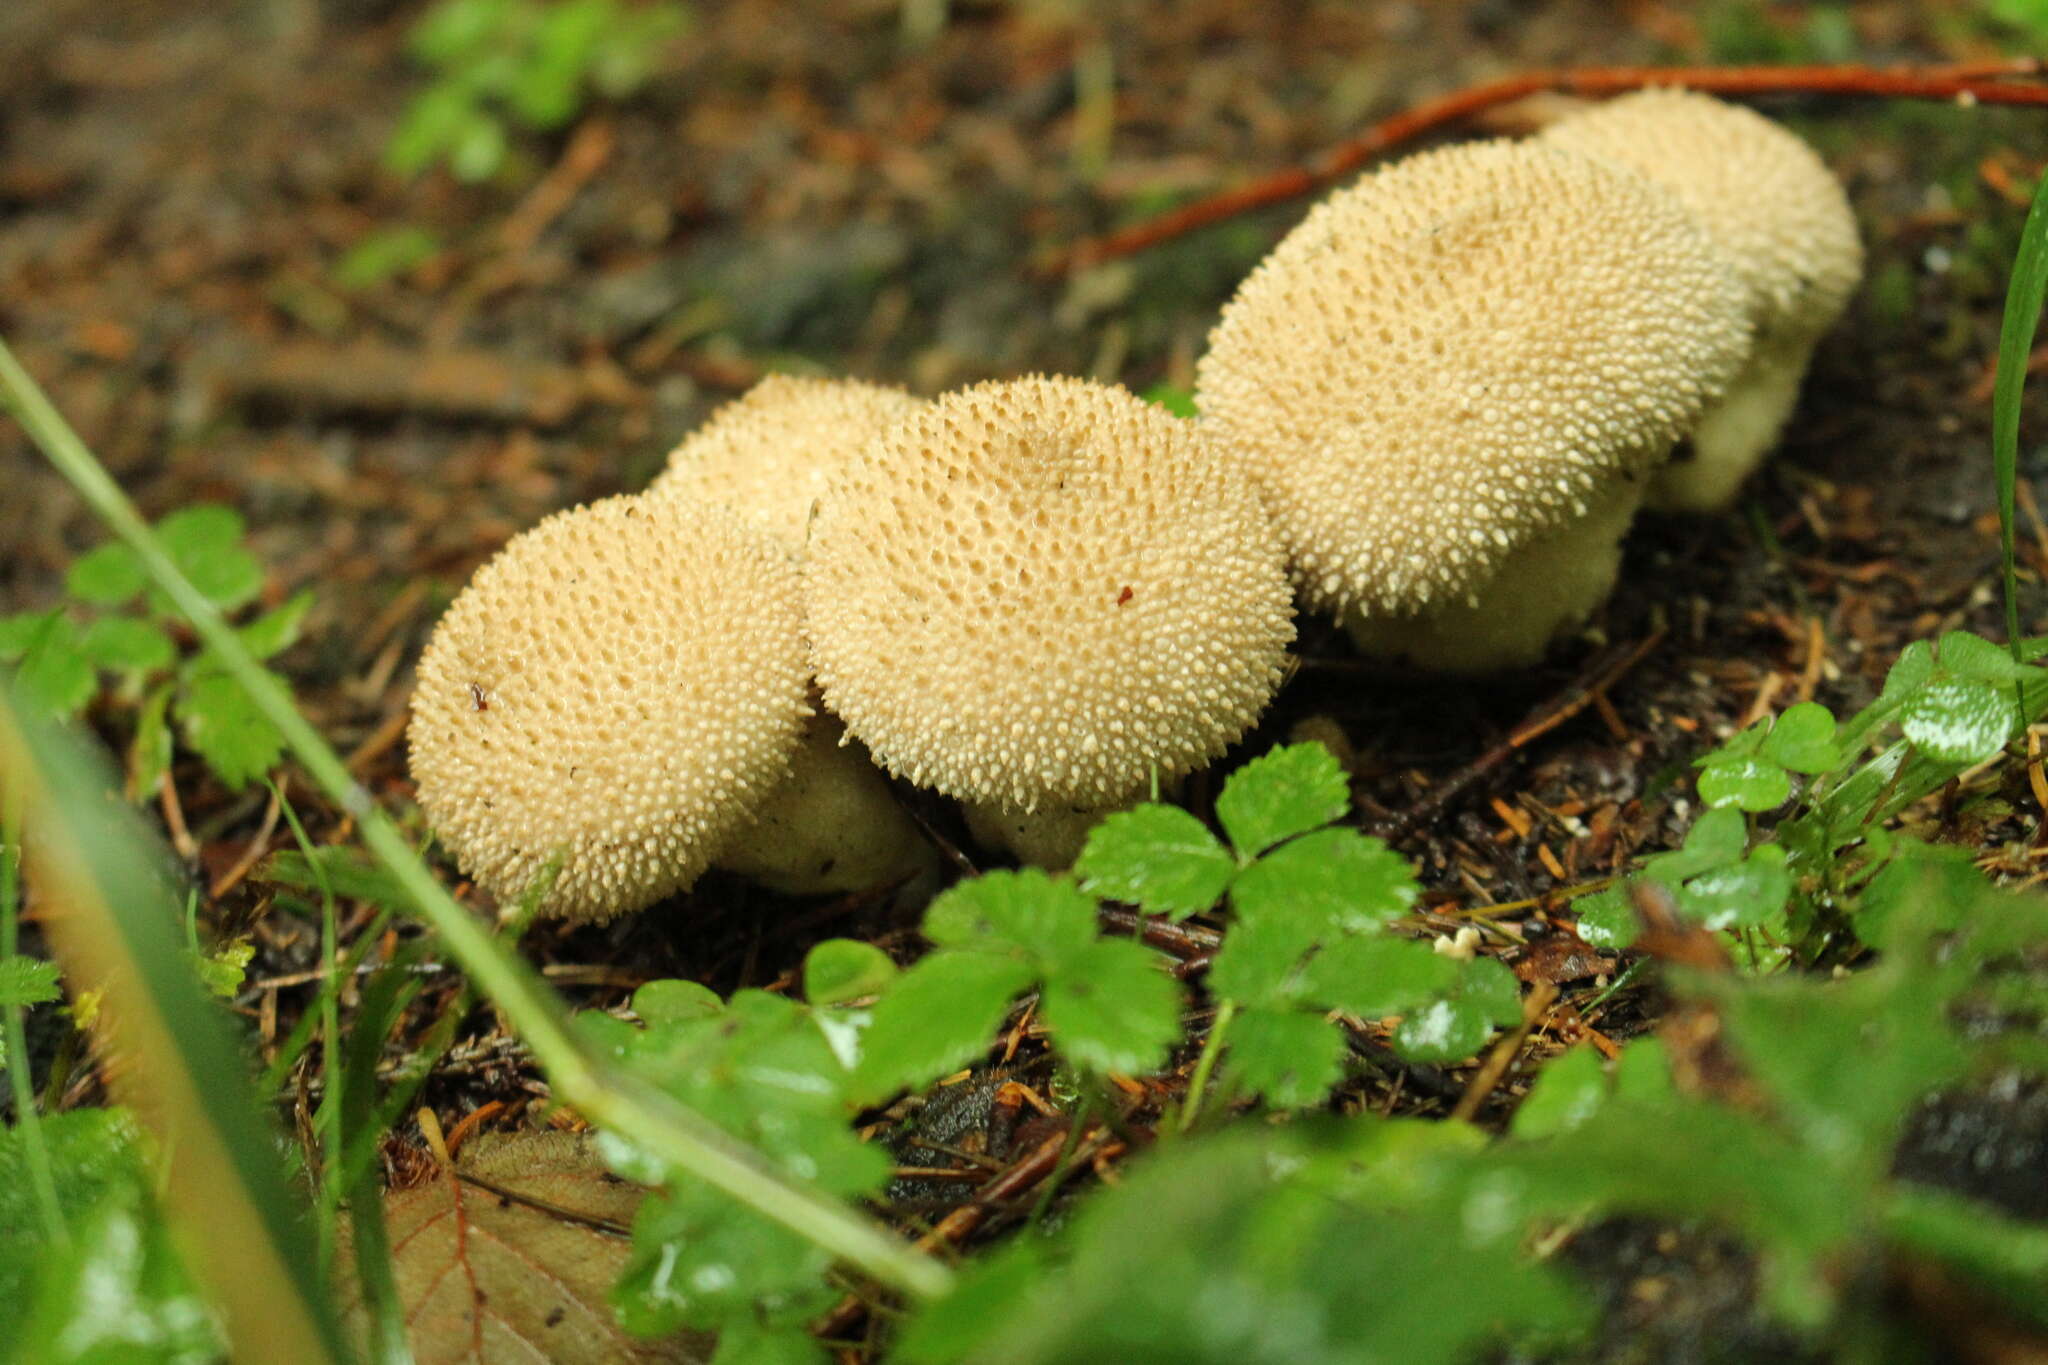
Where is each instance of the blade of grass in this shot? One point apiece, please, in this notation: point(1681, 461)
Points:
point(27, 1118)
point(649, 1119)
point(2023, 299)
point(119, 931)
point(327, 1119)
point(384, 1001)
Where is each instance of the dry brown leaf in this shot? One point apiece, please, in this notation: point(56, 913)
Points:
point(510, 1258)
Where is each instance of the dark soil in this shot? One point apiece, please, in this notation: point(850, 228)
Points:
point(798, 189)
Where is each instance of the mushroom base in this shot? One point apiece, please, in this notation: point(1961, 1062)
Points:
point(832, 825)
point(1049, 837)
point(1543, 591)
point(1736, 433)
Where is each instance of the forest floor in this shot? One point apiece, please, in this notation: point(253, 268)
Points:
point(180, 187)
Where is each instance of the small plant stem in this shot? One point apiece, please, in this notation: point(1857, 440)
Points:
point(2023, 299)
point(647, 1118)
point(327, 1119)
point(27, 1120)
point(1617, 984)
point(1212, 1047)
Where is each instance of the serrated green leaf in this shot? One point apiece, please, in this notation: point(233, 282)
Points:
point(669, 1002)
point(1752, 784)
point(1795, 1036)
point(149, 753)
point(1803, 739)
point(842, 969)
point(1607, 920)
point(1289, 791)
point(1912, 671)
point(105, 577)
point(1642, 1074)
point(1448, 1029)
point(276, 631)
point(1290, 1058)
point(1972, 656)
point(1740, 896)
point(1926, 889)
point(745, 1342)
point(201, 529)
point(383, 254)
point(204, 541)
point(223, 970)
point(938, 1015)
point(19, 631)
point(127, 644)
point(1716, 839)
point(1568, 1092)
point(1256, 963)
point(27, 981)
point(1172, 397)
point(1959, 721)
point(1375, 977)
point(1334, 882)
point(224, 727)
point(1026, 911)
point(1457, 1024)
point(947, 1331)
point(55, 678)
point(116, 1292)
point(1488, 984)
point(1113, 1009)
point(1158, 858)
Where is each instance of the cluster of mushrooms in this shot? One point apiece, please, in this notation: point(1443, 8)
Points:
point(1431, 412)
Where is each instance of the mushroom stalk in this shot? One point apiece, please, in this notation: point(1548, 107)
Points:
point(1050, 837)
point(1544, 591)
point(1736, 433)
point(832, 825)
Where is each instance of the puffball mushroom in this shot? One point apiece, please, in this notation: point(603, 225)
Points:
point(1770, 203)
point(1452, 380)
point(624, 687)
point(1031, 595)
point(769, 453)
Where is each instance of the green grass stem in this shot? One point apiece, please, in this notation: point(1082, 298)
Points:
point(648, 1119)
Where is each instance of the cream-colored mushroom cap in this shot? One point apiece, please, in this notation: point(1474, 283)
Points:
point(1457, 355)
point(1762, 194)
point(620, 685)
point(769, 454)
point(1767, 200)
point(1044, 589)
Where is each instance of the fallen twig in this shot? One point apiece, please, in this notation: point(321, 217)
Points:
point(1979, 83)
point(1607, 669)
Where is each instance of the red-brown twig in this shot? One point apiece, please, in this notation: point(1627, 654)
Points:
point(1978, 82)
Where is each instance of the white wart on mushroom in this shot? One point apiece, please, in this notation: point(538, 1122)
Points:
point(1781, 218)
point(1453, 380)
point(1036, 595)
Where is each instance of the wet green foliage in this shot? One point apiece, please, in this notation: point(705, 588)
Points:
point(112, 1289)
point(1798, 805)
point(1338, 1241)
point(116, 636)
point(781, 1076)
point(1309, 904)
point(533, 64)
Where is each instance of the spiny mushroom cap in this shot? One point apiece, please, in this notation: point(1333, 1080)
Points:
point(1043, 589)
point(769, 454)
point(1764, 196)
point(622, 684)
point(1454, 355)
